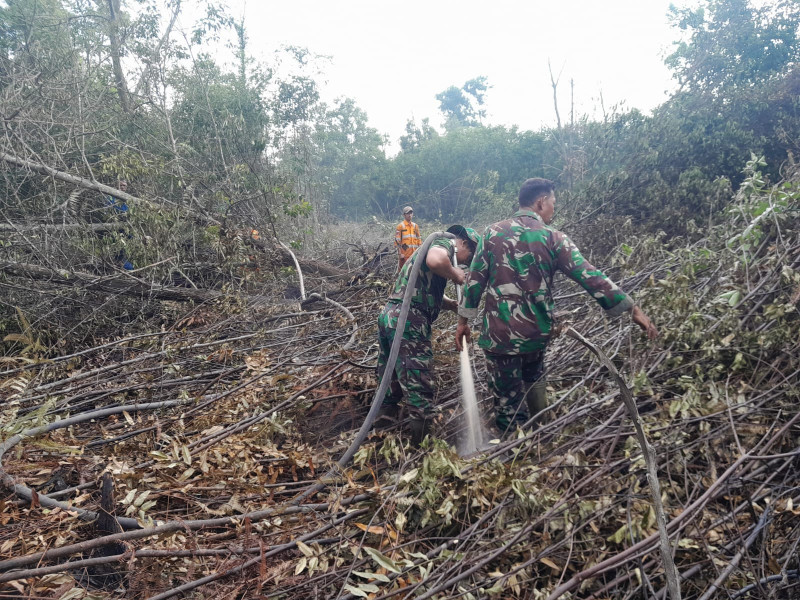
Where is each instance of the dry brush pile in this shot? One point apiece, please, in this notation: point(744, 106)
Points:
point(210, 429)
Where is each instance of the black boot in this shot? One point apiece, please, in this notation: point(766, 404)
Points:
point(387, 416)
point(418, 428)
point(536, 399)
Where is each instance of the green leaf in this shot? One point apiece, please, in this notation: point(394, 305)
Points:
point(400, 521)
point(23, 321)
point(17, 337)
point(409, 476)
point(619, 535)
point(760, 208)
point(376, 576)
point(304, 548)
point(130, 496)
point(356, 591)
point(300, 566)
point(384, 561)
point(495, 589)
point(187, 456)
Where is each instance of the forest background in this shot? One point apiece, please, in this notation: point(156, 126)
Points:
point(220, 394)
point(108, 91)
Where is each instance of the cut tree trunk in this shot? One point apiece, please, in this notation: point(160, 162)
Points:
point(124, 283)
point(52, 228)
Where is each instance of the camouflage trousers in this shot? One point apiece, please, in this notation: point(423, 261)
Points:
point(509, 377)
point(412, 370)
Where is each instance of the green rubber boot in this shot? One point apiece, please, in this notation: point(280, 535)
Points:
point(536, 399)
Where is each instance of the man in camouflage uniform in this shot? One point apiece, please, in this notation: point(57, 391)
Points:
point(514, 264)
point(412, 371)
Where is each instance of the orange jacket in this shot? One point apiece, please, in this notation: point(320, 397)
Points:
point(407, 239)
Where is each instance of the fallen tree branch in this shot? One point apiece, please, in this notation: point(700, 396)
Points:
point(169, 527)
point(762, 522)
point(134, 554)
point(673, 581)
point(75, 180)
point(253, 561)
point(129, 286)
point(25, 492)
point(299, 270)
point(351, 342)
point(203, 219)
point(116, 284)
point(50, 227)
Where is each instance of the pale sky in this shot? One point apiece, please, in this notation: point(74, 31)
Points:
point(393, 57)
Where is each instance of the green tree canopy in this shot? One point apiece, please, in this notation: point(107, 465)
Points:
point(464, 106)
point(734, 43)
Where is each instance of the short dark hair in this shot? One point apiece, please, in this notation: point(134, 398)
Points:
point(533, 188)
point(461, 233)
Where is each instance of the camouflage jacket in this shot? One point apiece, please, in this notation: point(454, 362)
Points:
point(514, 264)
point(429, 290)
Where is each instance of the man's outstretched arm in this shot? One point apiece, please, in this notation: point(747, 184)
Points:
point(607, 293)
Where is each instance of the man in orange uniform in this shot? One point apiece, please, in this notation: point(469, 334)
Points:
point(407, 237)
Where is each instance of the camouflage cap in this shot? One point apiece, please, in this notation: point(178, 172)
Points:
point(407, 209)
point(472, 234)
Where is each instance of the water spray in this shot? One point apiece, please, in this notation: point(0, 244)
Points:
point(472, 436)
